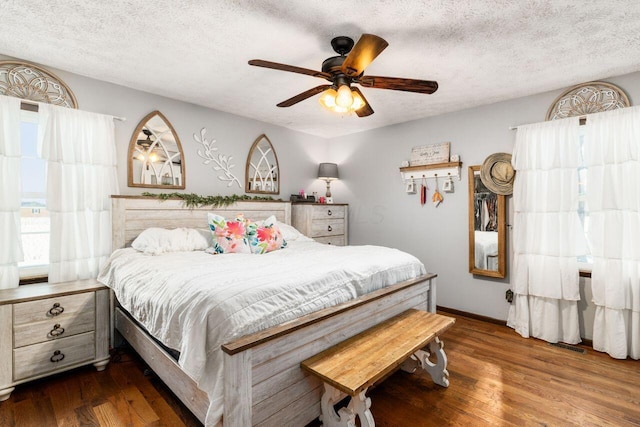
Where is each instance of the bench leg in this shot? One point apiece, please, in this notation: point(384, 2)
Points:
point(437, 369)
point(346, 417)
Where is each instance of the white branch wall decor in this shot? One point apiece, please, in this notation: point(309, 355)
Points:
point(220, 161)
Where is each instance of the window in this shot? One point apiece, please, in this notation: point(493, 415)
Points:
point(34, 216)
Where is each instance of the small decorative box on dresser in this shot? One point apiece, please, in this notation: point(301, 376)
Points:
point(325, 223)
point(50, 328)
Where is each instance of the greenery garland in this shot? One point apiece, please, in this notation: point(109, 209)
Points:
point(192, 200)
point(195, 200)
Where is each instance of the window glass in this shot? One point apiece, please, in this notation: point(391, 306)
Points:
point(34, 216)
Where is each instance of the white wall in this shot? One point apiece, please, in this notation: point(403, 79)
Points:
point(381, 212)
point(298, 153)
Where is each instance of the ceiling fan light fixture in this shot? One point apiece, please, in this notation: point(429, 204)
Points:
point(330, 100)
point(358, 102)
point(344, 98)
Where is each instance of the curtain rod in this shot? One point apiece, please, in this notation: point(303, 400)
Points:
point(583, 120)
point(29, 105)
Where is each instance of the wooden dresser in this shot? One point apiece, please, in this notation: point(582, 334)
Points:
point(325, 223)
point(50, 328)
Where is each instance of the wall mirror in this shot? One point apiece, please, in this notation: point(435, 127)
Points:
point(262, 174)
point(487, 229)
point(155, 154)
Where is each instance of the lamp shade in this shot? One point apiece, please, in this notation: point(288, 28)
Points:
point(328, 171)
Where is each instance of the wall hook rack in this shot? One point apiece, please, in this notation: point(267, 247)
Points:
point(450, 169)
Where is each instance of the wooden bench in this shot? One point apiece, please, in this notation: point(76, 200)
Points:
point(355, 364)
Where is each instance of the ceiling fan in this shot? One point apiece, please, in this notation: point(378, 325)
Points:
point(341, 71)
point(145, 143)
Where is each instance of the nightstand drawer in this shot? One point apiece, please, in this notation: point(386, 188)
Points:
point(59, 327)
point(52, 308)
point(327, 228)
point(327, 212)
point(331, 240)
point(40, 358)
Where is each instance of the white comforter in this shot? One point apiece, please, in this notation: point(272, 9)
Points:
point(194, 302)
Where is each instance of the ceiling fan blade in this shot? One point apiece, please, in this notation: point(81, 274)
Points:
point(304, 95)
point(290, 68)
point(397, 83)
point(366, 110)
point(363, 53)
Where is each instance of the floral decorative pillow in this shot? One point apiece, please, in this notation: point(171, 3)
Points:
point(265, 236)
point(229, 236)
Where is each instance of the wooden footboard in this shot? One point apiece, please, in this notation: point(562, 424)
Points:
point(264, 385)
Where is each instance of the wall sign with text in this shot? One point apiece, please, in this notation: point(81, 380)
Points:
point(430, 154)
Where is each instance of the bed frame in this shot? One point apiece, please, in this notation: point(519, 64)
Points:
point(263, 383)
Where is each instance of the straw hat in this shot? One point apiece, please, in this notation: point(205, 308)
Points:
point(497, 174)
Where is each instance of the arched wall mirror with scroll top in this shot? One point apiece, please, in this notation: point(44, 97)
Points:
point(155, 156)
point(487, 228)
point(262, 172)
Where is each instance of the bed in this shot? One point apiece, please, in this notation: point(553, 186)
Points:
point(262, 383)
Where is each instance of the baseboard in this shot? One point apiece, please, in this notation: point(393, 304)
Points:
point(471, 315)
point(585, 341)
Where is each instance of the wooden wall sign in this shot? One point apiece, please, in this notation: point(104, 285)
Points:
point(430, 154)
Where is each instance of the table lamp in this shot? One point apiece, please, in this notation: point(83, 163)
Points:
point(328, 172)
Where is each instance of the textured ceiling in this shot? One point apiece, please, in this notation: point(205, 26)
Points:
point(197, 51)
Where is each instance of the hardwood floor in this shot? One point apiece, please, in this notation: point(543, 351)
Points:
point(497, 379)
point(121, 395)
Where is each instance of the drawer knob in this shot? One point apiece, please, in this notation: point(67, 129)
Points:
point(57, 356)
point(56, 309)
point(329, 228)
point(329, 212)
point(57, 330)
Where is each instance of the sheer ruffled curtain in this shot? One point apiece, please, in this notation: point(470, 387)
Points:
point(10, 192)
point(79, 147)
point(547, 233)
point(612, 148)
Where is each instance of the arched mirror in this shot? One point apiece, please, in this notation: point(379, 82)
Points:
point(487, 228)
point(155, 154)
point(262, 174)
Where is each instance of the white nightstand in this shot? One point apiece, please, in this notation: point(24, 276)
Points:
point(325, 223)
point(50, 328)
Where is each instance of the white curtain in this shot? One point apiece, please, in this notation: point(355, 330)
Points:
point(10, 192)
point(612, 149)
point(79, 147)
point(547, 233)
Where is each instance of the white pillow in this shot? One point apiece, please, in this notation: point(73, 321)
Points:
point(290, 233)
point(155, 241)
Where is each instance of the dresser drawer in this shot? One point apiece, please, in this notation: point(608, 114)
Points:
point(46, 309)
point(58, 327)
point(41, 358)
point(330, 227)
point(331, 240)
point(327, 212)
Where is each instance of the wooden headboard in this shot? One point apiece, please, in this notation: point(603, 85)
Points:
point(132, 214)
